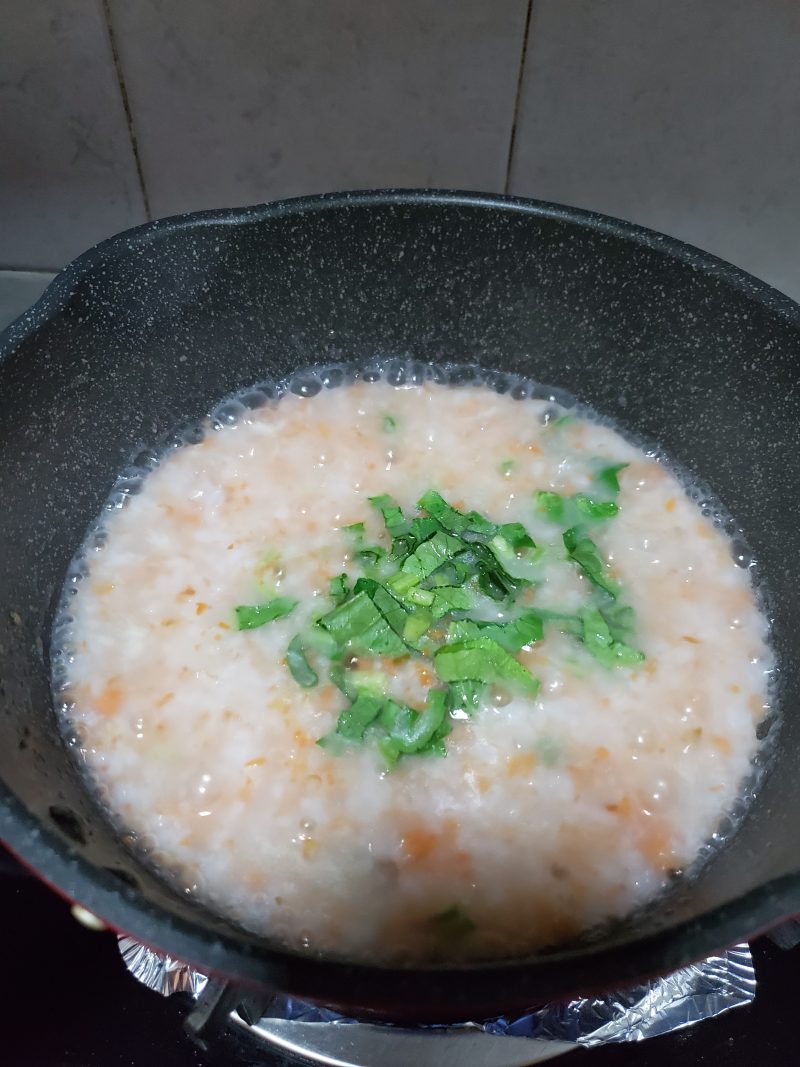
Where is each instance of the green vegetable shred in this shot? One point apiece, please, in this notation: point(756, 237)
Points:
point(250, 617)
point(461, 591)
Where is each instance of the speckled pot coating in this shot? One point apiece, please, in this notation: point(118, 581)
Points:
point(144, 333)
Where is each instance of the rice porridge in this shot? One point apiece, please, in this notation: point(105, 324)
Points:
point(413, 673)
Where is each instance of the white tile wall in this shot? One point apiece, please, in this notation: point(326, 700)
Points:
point(677, 114)
point(683, 115)
point(67, 172)
point(241, 102)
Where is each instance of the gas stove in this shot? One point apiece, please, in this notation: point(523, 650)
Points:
point(70, 1002)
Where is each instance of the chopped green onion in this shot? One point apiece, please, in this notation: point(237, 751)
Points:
point(512, 636)
point(452, 924)
point(416, 625)
point(251, 616)
point(506, 467)
point(412, 731)
point(550, 504)
point(355, 719)
point(302, 672)
point(352, 682)
point(599, 643)
point(360, 623)
point(391, 609)
point(453, 520)
point(447, 598)
point(366, 554)
point(338, 589)
point(563, 420)
point(464, 696)
point(620, 619)
point(594, 510)
point(494, 578)
point(393, 518)
point(516, 535)
point(583, 551)
point(607, 477)
point(431, 554)
point(420, 596)
point(483, 659)
point(389, 424)
point(424, 527)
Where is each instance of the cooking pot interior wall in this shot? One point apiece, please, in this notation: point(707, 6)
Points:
point(166, 322)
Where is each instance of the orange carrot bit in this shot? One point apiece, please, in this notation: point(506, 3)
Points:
point(200, 607)
point(424, 675)
point(535, 450)
point(722, 744)
point(259, 761)
point(223, 626)
point(256, 881)
point(109, 699)
point(601, 753)
point(521, 763)
point(419, 844)
point(669, 505)
point(691, 640)
point(736, 688)
point(164, 700)
point(189, 591)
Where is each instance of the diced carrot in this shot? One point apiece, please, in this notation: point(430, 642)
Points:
point(164, 700)
point(200, 607)
point(669, 504)
point(255, 880)
point(189, 591)
point(722, 744)
point(259, 761)
point(419, 843)
point(601, 753)
point(691, 640)
point(109, 699)
point(521, 763)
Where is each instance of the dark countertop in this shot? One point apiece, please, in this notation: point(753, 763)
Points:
point(73, 1004)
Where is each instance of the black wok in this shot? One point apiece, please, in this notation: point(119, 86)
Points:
point(142, 334)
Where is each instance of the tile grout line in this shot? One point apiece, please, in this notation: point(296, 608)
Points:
point(512, 139)
point(127, 107)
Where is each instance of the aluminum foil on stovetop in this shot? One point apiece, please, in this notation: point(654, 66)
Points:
point(681, 999)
